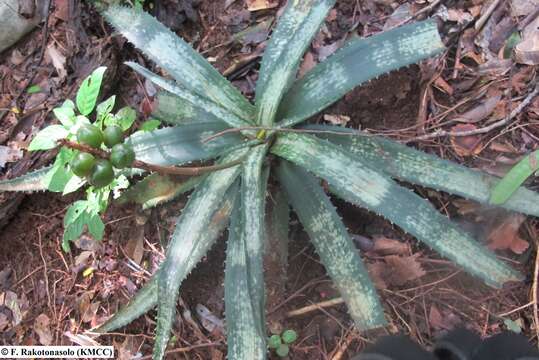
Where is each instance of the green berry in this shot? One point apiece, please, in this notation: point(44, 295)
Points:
point(112, 135)
point(289, 336)
point(102, 174)
point(90, 135)
point(122, 156)
point(282, 350)
point(82, 164)
point(274, 341)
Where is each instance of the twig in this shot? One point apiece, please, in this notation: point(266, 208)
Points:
point(483, 19)
point(314, 307)
point(342, 347)
point(485, 129)
point(534, 292)
point(184, 349)
point(167, 170)
point(45, 271)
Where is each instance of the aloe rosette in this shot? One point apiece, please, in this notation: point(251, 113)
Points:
point(199, 103)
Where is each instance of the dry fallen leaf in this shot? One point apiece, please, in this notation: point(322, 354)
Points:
point(307, 64)
point(527, 51)
point(395, 270)
point(255, 5)
point(403, 269)
point(505, 235)
point(386, 246)
point(377, 272)
point(443, 320)
point(4, 322)
point(337, 119)
point(480, 111)
point(465, 145)
point(42, 329)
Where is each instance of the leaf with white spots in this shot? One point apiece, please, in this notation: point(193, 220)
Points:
point(181, 144)
point(408, 164)
point(253, 200)
point(243, 323)
point(354, 180)
point(333, 244)
point(32, 181)
point(146, 298)
point(178, 58)
point(174, 110)
point(191, 98)
point(194, 220)
point(357, 62)
point(293, 34)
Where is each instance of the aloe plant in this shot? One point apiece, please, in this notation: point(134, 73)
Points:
point(200, 104)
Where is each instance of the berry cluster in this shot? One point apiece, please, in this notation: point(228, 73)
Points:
point(99, 172)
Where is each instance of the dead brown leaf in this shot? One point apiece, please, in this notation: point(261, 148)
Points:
point(404, 269)
point(377, 272)
point(465, 145)
point(4, 322)
point(385, 246)
point(480, 111)
point(505, 236)
point(443, 320)
point(527, 51)
point(255, 5)
point(395, 270)
point(307, 64)
point(337, 119)
point(42, 329)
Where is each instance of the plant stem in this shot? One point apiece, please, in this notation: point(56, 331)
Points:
point(164, 170)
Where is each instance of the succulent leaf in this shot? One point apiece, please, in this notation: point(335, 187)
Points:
point(174, 110)
point(355, 181)
point(178, 58)
point(146, 298)
point(507, 186)
point(406, 163)
point(253, 200)
point(194, 220)
point(293, 34)
point(182, 144)
point(156, 189)
point(195, 100)
point(241, 309)
point(333, 244)
point(357, 62)
point(32, 181)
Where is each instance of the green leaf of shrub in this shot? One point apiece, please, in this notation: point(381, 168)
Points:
point(507, 186)
point(33, 89)
point(89, 91)
point(125, 117)
point(103, 109)
point(46, 138)
point(150, 125)
point(66, 116)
